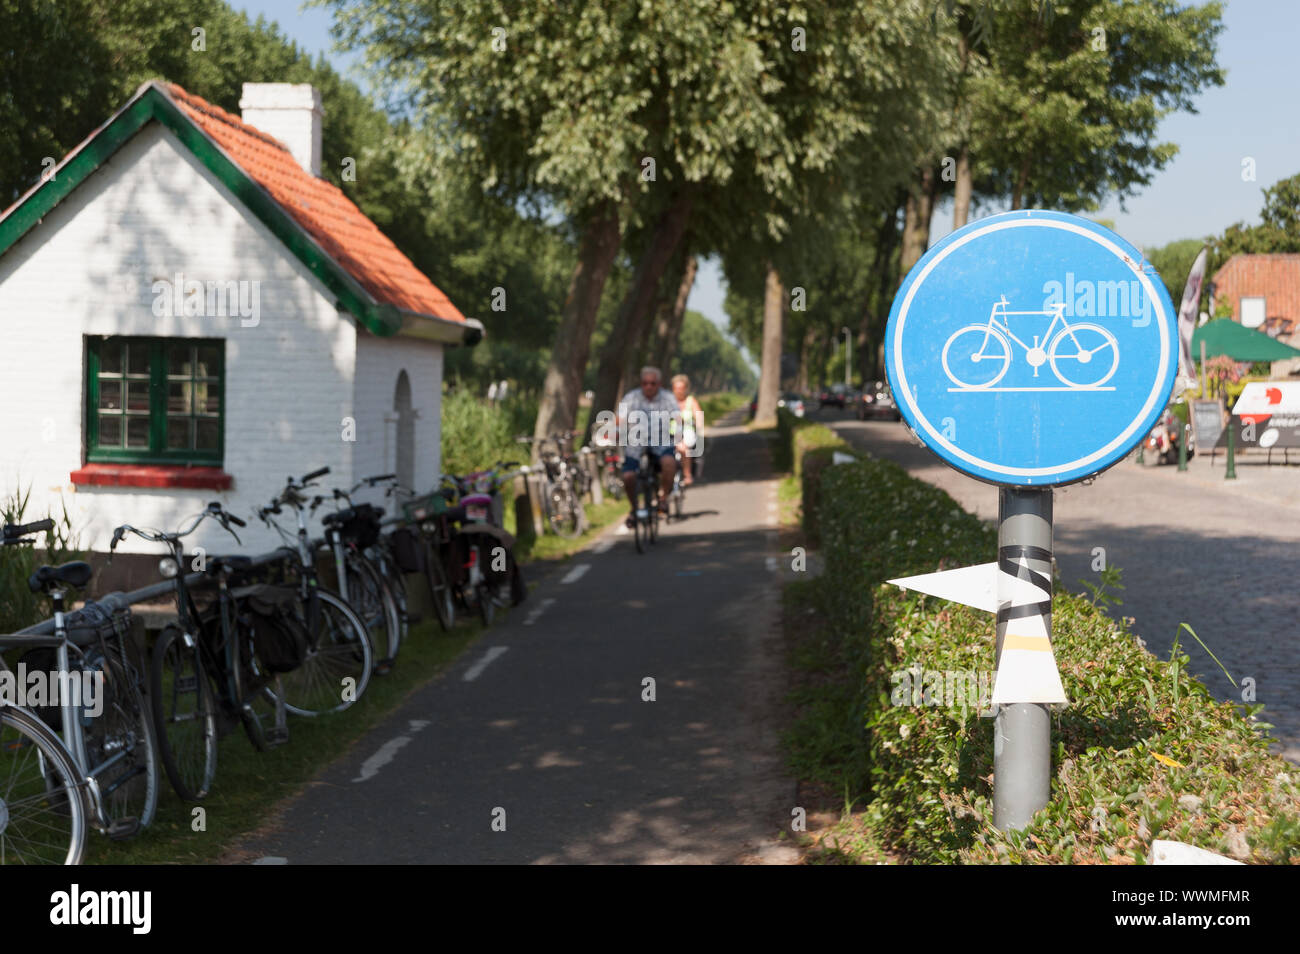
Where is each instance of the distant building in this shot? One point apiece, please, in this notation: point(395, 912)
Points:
point(1264, 293)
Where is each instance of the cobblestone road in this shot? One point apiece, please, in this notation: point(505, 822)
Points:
point(1222, 556)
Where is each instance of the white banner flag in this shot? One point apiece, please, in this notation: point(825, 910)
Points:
point(1187, 314)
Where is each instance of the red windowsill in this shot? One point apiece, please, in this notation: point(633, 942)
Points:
point(152, 475)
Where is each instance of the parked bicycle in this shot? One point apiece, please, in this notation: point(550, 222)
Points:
point(565, 482)
point(349, 533)
point(207, 673)
point(90, 758)
point(339, 656)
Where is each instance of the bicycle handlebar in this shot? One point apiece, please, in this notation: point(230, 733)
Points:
point(308, 478)
point(16, 531)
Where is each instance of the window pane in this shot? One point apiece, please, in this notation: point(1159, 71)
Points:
point(178, 433)
point(137, 433)
point(110, 357)
point(178, 397)
point(137, 358)
point(137, 396)
point(110, 395)
point(110, 430)
point(207, 397)
point(178, 360)
point(209, 361)
point(208, 436)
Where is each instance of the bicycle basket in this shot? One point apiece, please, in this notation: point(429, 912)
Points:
point(408, 549)
point(279, 637)
point(360, 524)
point(422, 508)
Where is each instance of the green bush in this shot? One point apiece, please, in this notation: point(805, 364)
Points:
point(809, 449)
point(477, 433)
point(1141, 752)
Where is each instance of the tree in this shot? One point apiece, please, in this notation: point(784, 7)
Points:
point(1278, 231)
point(567, 105)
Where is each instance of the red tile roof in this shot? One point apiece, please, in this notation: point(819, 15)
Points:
point(323, 211)
point(1275, 278)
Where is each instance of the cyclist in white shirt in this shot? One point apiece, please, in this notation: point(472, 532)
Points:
point(647, 413)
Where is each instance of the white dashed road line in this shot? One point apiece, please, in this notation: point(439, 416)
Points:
point(605, 543)
point(371, 766)
point(537, 611)
point(577, 573)
point(476, 670)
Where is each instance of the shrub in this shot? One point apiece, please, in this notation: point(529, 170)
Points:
point(477, 433)
point(1141, 752)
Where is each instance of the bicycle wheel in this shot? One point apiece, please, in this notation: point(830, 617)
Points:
point(249, 686)
point(562, 511)
point(339, 661)
point(120, 744)
point(1089, 360)
point(444, 602)
point(392, 577)
point(42, 812)
point(367, 596)
point(184, 715)
point(976, 356)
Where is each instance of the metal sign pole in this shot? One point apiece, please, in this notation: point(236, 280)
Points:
point(1022, 739)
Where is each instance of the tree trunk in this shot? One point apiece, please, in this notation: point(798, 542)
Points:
point(1022, 183)
point(621, 353)
point(875, 309)
point(916, 220)
point(669, 327)
point(769, 378)
point(962, 189)
point(563, 385)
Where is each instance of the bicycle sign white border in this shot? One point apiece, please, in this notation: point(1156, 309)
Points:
point(1160, 388)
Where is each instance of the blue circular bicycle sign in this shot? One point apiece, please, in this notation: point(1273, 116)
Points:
point(1032, 348)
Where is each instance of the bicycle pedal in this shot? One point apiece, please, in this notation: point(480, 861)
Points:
point(123, 828)
point(383, 667)
point(277, 735)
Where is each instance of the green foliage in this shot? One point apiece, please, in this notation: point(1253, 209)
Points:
point(19, 606)
point(1067, 110)
point(1174, 261)
point(1137, 739)
point(1277, 233)
point(715, 406)
point(711, 361)
point(477, 433)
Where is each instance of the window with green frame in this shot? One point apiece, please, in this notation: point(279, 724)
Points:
point(155, 400)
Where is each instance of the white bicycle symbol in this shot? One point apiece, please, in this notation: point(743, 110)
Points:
point(977, 357)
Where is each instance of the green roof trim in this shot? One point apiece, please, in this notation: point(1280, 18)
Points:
point(152, 103)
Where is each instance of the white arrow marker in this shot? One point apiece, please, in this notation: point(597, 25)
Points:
point(1027, 667)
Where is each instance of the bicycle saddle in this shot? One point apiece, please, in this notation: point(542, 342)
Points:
point(76, 574)
point(233, 563)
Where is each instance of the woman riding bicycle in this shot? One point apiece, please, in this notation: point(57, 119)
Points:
point(688, 444)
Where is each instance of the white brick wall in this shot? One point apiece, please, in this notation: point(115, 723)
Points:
point(379, 363)
point(151, 212)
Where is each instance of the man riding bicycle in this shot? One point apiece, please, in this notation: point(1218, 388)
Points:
point(647, 413)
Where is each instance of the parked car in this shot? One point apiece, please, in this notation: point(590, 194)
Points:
point(877, 401)
point(832, 397)
point(794, 403)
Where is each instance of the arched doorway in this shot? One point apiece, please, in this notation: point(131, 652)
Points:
point(405, 463)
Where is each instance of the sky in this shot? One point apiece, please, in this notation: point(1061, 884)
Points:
point(1254, 115)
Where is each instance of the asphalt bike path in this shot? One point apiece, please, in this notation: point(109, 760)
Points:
point(539, 744)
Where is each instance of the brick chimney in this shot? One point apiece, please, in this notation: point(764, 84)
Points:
point(291, 112)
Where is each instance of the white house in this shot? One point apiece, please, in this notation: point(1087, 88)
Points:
point(189, 312)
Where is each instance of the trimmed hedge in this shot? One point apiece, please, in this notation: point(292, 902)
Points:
point(810, 449)
point(1142, 752)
